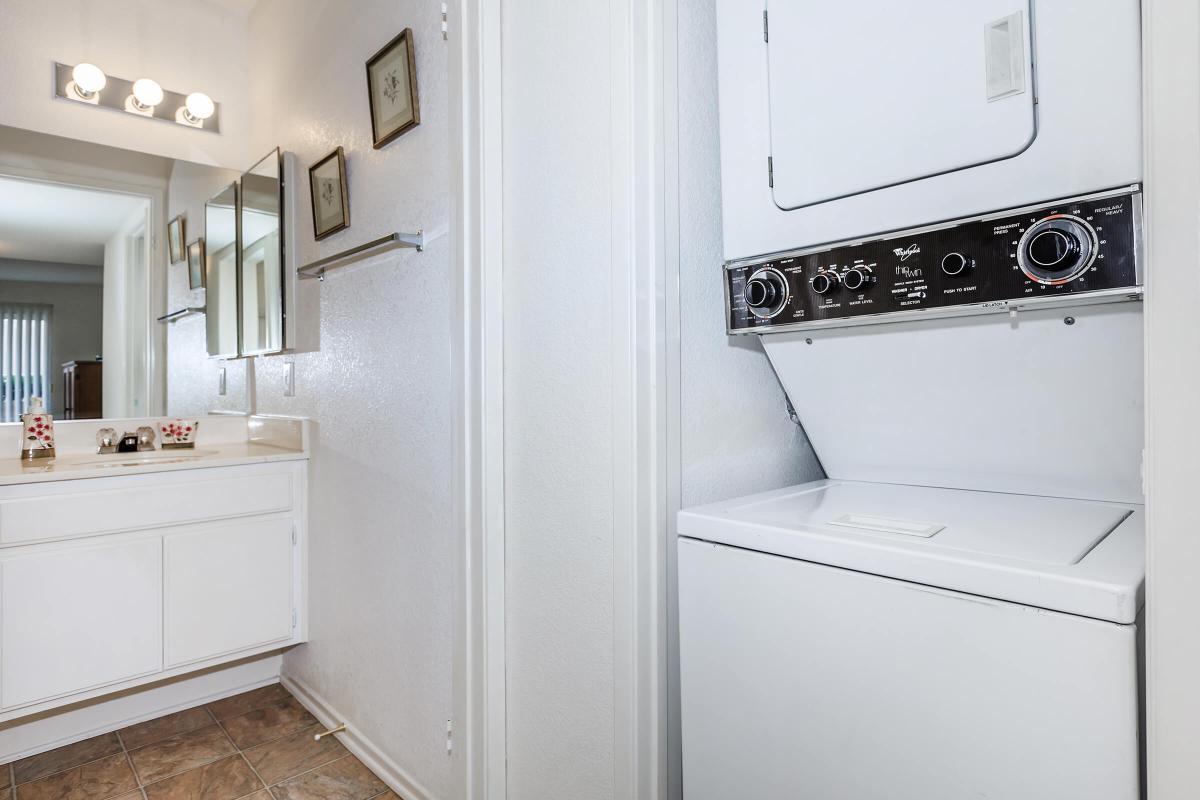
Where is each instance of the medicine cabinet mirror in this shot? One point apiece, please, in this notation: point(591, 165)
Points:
point(246, 303)
point(221, 272)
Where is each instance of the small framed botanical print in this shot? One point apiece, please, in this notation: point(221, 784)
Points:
point(330, 198)
point(176, 234)
point(195, 259)
point(392, 89)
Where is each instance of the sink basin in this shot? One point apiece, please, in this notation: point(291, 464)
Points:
point(147, 457)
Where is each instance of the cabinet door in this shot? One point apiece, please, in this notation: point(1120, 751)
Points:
point(79, 618)
point(228, 588)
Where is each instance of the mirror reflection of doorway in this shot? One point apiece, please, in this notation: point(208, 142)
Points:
point(74, 300)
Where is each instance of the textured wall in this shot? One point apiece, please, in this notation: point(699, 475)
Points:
point(197, 45)
point(736, 434)
point(381, 559)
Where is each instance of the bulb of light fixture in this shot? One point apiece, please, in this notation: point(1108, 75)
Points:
point(199, 106)
point(88, 78)
point(147, 93)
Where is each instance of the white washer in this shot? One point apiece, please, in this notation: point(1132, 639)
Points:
point(847, 640)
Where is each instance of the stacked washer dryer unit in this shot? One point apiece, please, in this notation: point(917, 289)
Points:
point(932, 219)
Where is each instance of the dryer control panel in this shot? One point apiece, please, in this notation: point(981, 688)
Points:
point(1079, 250)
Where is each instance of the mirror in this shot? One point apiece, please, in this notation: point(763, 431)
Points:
point(111, 321)
point(262, 287)
point(221, 273)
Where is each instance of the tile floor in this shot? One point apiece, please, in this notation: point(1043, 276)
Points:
point(258, 746)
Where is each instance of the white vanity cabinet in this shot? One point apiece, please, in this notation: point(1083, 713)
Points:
point(109, 583)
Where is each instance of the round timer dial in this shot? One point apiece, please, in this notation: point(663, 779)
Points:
point(1057, 249)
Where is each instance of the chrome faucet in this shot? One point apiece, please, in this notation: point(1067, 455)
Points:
point(140, 441)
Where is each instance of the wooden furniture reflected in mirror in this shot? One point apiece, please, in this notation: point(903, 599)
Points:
point(82, 389)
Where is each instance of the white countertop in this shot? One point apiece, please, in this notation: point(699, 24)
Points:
point(76, 467)
point(222, 442)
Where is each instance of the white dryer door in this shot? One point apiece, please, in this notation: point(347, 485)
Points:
point(860, 96)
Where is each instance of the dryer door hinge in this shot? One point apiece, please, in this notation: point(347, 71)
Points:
point(766, 35)
point(770, 172)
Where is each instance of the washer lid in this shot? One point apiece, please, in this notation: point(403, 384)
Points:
point(1076, 556)
point(885, 93)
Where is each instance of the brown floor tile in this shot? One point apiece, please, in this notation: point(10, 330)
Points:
point(64, 758)
point(180, 753)
point(271, 722)
point(227, 779)
point(99, 780)
point(388, 795)
point(156, 730)
point(345, 779)
point(248, 701)
point(5, 778)
point(287, 757)
point(263, 795)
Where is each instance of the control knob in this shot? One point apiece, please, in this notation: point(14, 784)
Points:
point(857, 278)
point(1057, 249)
point(956, 263)
point(766, 292)
point(824, 282)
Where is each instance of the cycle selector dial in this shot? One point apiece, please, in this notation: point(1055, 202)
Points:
point(824, 282)
point(857, 278)
point(766, 293)
point(1057, 249)
point(956, 264)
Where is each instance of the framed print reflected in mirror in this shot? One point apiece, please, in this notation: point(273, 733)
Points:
point(176, 233)
point(195, 259)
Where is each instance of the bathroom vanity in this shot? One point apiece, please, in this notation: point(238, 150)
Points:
point(122, 570)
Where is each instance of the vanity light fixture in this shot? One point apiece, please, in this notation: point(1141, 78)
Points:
point(146, 94)
point(144, 97)
point(198, 107)
point(87, 80)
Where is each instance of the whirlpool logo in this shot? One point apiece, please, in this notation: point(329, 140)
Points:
point(906, 252)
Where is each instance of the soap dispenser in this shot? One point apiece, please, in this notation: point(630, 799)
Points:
point(37, 432)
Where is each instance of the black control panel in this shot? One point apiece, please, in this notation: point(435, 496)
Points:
point(1066, 248)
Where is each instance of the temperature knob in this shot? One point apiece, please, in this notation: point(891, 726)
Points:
point(824, 282)
point(857, 278)
point(1057, 249)
point(956, 263)
point(766, 292)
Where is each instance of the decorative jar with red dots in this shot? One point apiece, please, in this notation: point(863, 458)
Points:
point(37, 432)
point(178, 433)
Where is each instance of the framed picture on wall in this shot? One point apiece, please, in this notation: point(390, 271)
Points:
point(330, 198)
point(195, 259)
point(176, 235)
point(392, 89)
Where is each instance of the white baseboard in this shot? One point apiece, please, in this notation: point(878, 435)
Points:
point(45, 731)
point(367, 752)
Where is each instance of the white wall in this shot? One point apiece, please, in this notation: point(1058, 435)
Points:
point(193, 377)
point(381, 545)
point(75, 322)
point(194, 46)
